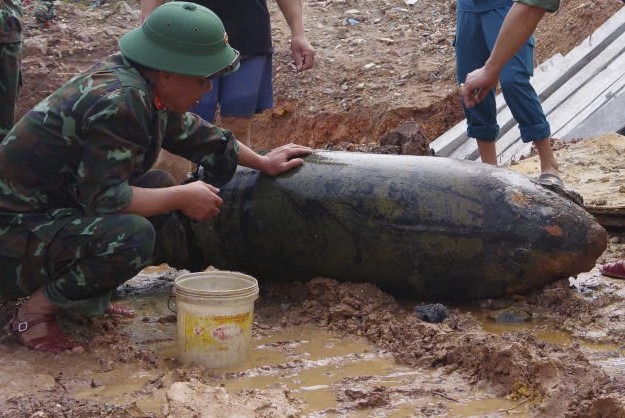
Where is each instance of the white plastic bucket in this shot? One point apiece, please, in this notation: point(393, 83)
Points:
point(215, 313)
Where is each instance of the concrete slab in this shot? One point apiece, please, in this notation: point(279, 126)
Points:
point(507, 124)
point(445, 144)
point(608, 118)
point(594, 106)
point(587, 50)
point(578, 108)
point(466, 151)
point(593, 80)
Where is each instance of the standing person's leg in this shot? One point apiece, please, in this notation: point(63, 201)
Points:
point(10, 80)
point(240, 126)
point(471, 53)
point(526, 108)
point(245, 92)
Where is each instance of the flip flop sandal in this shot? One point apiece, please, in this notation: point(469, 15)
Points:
point(118, 309)
point(615, 269)
point(554, 183)
point(54, 342)
point(548, 179)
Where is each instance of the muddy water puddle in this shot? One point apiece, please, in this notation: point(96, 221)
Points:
point(329, 375)
point(546, 332)
point(319, 367)
point(325, 374)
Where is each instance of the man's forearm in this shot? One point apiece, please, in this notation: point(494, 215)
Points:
point(152, 202)
point(248, 158)
point(292, 11)
point(518, 26)
point(147, 6)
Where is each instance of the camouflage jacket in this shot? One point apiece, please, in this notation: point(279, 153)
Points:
point(11, 12)
point(550, 5)
point(78, 148)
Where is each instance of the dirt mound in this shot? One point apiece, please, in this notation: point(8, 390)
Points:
point(378, 64)
point(517, 364)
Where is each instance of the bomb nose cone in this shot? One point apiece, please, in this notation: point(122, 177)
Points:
point(597, 243)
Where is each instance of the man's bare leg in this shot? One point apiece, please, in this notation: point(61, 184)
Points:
point(548, 163)
point(241, 127)
point(488, 151)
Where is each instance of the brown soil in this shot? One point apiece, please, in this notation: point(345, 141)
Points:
point(346, 103)
point(342, 99)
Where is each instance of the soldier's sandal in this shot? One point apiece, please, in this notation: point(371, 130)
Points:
point(55, 341)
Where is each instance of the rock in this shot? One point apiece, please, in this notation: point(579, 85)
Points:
point(409, 137)
point(35, 46)
point(599, 202)
point(342, 311)
point(387, 149)
point(194, 399)
point(511, 314)
point(435, 313)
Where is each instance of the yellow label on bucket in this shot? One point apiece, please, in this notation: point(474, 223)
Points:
point(216, 332)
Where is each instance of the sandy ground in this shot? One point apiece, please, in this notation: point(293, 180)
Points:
point(594, 167)
point(323, 348)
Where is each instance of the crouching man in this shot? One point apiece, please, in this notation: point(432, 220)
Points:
point(79, 203)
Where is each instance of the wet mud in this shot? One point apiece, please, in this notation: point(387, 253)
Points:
point(323, 348)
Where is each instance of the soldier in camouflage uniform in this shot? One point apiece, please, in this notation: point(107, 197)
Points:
point(80, 209)
point(10, 53)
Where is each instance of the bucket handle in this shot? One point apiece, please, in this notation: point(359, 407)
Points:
point(169, 304)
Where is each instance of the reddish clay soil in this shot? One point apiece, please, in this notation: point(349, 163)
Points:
point(396, 65)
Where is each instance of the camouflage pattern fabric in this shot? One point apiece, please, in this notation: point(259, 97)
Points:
point(65, 174)
point(10, 83)
point(81, 145)
point(78, 269)
point(78, 260)
point(44, 11)
point(549, 5)
point(11, 12)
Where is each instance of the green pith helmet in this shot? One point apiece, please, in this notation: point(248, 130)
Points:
point(182, 38)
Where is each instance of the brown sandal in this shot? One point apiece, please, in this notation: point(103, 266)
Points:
point(118, 309)
point(54, 342)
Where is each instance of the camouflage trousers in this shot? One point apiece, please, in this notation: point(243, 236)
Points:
point(78, 260)
point(10, 83)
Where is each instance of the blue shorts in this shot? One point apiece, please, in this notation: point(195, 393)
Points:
point(476, 34)
point(243, 93)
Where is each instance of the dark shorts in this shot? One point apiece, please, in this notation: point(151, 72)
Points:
point(243, 93)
